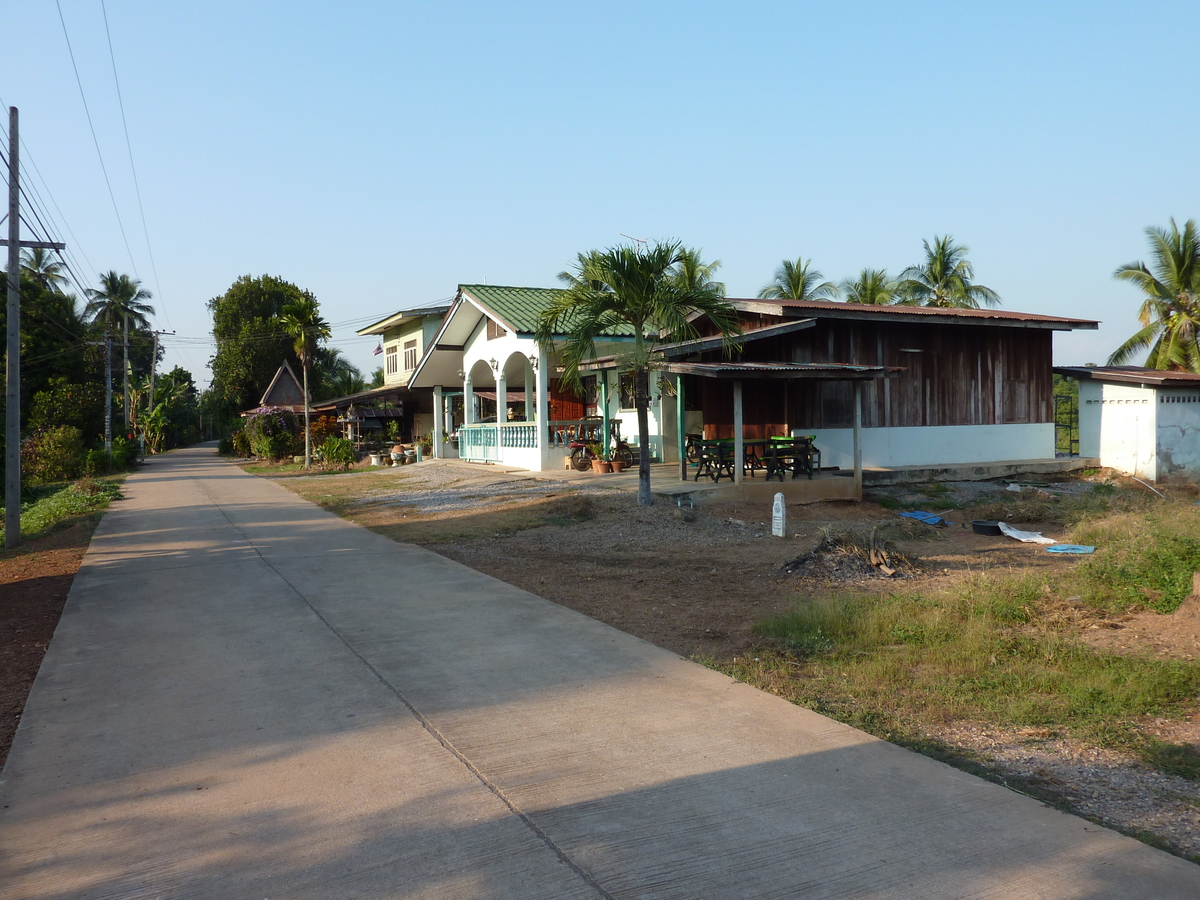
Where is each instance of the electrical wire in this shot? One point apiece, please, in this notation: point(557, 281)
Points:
point(137, 187)
point(95, 140)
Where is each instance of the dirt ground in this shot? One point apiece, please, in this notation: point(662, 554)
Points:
point(34, 581)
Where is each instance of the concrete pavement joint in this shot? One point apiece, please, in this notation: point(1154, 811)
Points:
point(496, 791)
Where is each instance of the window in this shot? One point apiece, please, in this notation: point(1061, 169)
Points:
point(628, 391)
point(393, 360)
point(410, 355)
point(495, 330)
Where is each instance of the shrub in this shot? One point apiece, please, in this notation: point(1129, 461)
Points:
point(322, 429)
point(225, 447)
point(53, 454)
point(272, 433)
point(123, 454)
point(241, 444)
point(337, 453)
point(95, 463)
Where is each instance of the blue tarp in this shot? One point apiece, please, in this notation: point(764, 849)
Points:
point(1070, 548)
point(927, 518)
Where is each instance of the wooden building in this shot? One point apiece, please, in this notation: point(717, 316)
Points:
point(967, 385)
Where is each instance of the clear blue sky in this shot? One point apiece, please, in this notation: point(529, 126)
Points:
point(379, 154)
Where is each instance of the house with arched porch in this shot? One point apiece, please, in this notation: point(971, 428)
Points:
point(892, 388)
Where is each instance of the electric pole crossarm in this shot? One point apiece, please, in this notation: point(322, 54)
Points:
point(36, 245)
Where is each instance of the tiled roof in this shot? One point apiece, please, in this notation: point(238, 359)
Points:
point(518, 308)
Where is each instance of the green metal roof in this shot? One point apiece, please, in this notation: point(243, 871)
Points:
point(520, 307)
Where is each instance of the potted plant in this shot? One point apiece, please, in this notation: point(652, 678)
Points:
point(600, 462)
point(618, 464)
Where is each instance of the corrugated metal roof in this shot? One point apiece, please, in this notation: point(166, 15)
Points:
point(1130, 375)
point(823, 371)
point(518, 308)
point(899, 313)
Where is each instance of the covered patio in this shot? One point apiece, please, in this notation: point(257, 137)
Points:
point(767, 381)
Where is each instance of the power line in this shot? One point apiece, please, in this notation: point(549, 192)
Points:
point(129, 146)
point(95, 140)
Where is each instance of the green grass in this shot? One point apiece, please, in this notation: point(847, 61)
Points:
point(46, 506)
point(901, 665)
point(1142, 559)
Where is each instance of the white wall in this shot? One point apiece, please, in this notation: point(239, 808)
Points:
point(1127, 428)
point(935, 445)
point(1178, 432)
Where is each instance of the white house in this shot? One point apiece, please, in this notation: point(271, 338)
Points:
point(1145, 422)
point(492, 384)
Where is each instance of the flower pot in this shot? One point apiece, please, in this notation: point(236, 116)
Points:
point(600, 467)
point(618, 465)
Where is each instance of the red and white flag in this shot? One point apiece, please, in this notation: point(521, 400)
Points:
point(378, 350)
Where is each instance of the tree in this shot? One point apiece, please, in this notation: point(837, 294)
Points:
point(377, 378)
point(334, 375)
point(301, 320)
point(1170, 313)
point(692, 273)
point(250, 343)
point(37, 263)
point(630, 288)
point(795, 281)
point(944, 279)
point(119, 301)
point(872, 287)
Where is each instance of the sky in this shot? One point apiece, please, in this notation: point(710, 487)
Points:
point(379, 154)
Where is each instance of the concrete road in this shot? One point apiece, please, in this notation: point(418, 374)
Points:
point(250, 698)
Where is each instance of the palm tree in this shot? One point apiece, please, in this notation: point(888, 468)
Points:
point(693, 273)
point(630, 288)
point(1170, 313)
point(37, 263)
point(944, 279)
point(795, 281)
point(872, 287)
point(300, 319)
point(377, 378)
point(119, 300)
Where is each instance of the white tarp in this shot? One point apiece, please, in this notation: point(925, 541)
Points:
point(1029, 537)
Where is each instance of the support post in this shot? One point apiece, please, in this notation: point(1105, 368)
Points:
point(469, 416)
point(605, 416)
point(739, 442)
point(439, 420)
point(858, 439)
point(681, 428)
point(12, 422)
point(542, 406)
point(530, 405)
point(108, 398)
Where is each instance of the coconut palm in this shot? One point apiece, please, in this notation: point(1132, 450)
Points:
point(796, 281)
point(300, 319)
point(872, 287)
point(1170, 313)
point(37, 263)
point(630, 288)
point(693, 273)
point(119, 301)
point(944, 279)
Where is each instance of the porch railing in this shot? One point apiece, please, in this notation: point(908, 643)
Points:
point(563, 431)
point(483, 442)
point(479, 442)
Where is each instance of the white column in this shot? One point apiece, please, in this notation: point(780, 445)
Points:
point(542, 406)
point(468, 400)
point(501, 396)
point(530, 405)
point(439, 421)
point(739, 445)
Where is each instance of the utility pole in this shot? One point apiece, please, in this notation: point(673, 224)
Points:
point(12, 412)
point(108, 398)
